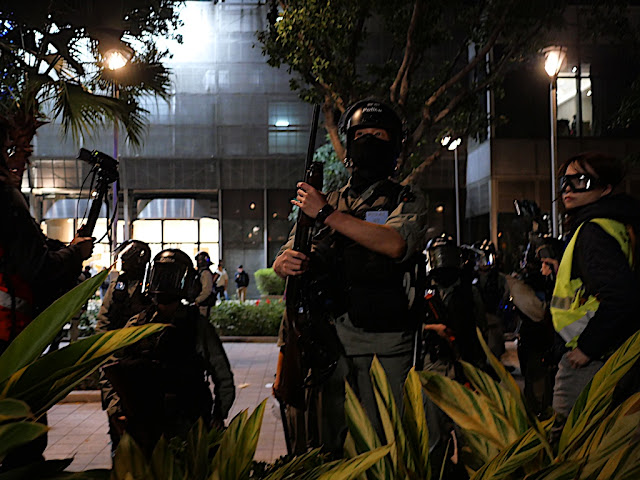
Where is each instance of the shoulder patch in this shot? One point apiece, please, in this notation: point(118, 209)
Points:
point(120, 286)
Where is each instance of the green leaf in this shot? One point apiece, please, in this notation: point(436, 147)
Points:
point(612, 436)
point(414, 421)
point(517, 395)
point(13, 409)
point(52, 377)
point(468, 409)
point(30, 344)
point(595, 399)
point(163, 463)
point(362, 432)
point(238, 446)
point(351, 469)
point(14, 434)
point(50, 469)
point(296, 466)
point(129, 461)
point(501, 398)
point(516, 456)
point(567, 470)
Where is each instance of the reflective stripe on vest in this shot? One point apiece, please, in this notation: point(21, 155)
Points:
point(570, 309)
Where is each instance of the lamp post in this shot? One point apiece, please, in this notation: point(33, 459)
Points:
point(116, 59)
point(453, 146)
point(553, 59)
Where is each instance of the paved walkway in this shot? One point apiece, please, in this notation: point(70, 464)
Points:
point(80, 429)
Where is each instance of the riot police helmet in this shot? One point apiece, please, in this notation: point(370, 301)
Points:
point(486, 257)
point(442, 252)
point(371, 113)
point(135, 256)
point(203, 260)
point(172, 276)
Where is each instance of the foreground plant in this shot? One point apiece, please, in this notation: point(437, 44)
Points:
point(213, 455)
point(507, 441)
point(30, 383)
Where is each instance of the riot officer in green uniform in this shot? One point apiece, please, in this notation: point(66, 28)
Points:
point(123, 300)
point(162, 382)
point(367, 243)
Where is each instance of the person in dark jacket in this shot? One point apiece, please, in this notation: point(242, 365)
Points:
point(30, 263)
point(162, 381)
point(123, 299)
point(594, 300)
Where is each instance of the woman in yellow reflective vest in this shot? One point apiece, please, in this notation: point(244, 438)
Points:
point(594, 305)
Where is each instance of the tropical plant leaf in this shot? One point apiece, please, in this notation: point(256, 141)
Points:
point(612, 436)
point(238, 446)
point(50, 469)
point(129, 461)
point(12, 409)
point(296, 467)
point(197, 451)
point(629, 467)
point(567, 470)
point(30, 344)
point(501, 398)
point(595, 399)
point(468, 409)
point(351, 469)
point(362, 432)
point(516, 456)
point(482, 450)
point(518, 396)
point(163, 463)
point(49, 379)
point(14, 434)
point(414, 421)
point(389, 417)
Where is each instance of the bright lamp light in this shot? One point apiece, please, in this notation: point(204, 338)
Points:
point(116, 58)
point(553, 60)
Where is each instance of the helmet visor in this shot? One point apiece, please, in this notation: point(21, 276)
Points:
point(167, 278)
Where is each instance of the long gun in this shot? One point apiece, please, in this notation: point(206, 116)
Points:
point(292, 372)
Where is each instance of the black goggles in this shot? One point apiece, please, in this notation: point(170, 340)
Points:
point(579, 182)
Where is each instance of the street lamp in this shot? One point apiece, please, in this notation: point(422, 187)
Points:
point(553, 59)
point(115, 59)
point(453, 146)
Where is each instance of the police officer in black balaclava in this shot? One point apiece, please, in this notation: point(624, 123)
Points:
point(368, 236)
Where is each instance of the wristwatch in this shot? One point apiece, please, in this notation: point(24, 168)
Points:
point(324, 213)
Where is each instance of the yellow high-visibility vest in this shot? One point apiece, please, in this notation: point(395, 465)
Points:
point(571, 310)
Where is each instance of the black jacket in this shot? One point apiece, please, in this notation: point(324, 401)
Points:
point(45, 264)
point(605, 272)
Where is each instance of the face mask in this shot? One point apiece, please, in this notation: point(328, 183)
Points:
point(373, 159)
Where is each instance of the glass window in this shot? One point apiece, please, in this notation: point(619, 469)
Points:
point(149, 231)
point(209, 230)
point(175, 231)
point(575, 109)
point(212, 249)
point(189, 248)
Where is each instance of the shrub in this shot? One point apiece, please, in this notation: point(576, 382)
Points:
point(268, 282)
point(248, 318)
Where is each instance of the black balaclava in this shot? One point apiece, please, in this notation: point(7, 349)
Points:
point(373, 160)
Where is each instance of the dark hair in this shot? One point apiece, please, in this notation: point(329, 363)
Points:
point(608, 169)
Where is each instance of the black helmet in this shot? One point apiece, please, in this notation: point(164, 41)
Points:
point(486, 256)
point(172, 274)
point(203, 260)
point(442, 252)
point(134, 254)
point(372, 114)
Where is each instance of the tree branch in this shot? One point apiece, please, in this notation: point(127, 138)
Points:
point(416, 175)
point(331, 127)
point(400, 87)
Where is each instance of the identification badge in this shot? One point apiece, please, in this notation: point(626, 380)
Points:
point(379, 217)
point(120, 286)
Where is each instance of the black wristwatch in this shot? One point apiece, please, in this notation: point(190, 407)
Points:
point(324, 213)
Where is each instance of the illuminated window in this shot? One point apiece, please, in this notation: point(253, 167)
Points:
point(287, 127)
point(575, 108)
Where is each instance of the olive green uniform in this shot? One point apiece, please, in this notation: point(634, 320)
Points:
point(361, 330)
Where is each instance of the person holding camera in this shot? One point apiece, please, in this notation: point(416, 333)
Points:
point(594, 300)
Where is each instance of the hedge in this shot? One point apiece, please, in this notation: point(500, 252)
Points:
point(251, 318)
point(268, 282)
